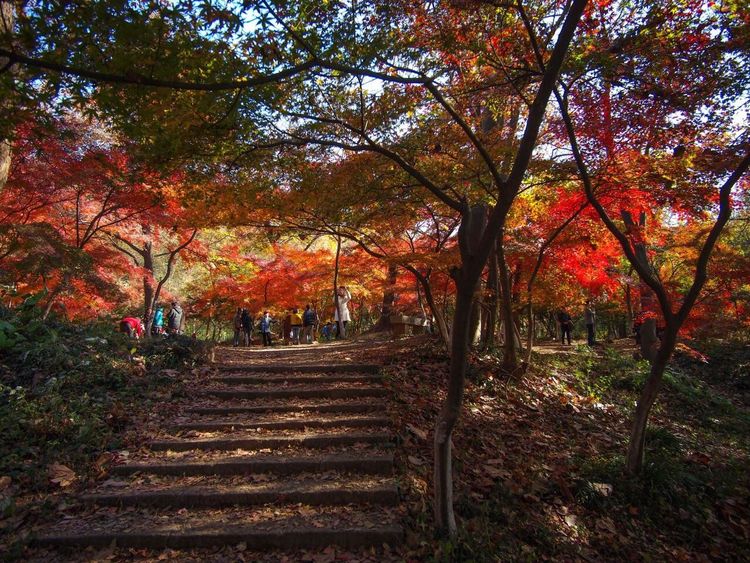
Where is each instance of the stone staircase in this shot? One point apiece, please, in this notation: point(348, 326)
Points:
point(265, 456)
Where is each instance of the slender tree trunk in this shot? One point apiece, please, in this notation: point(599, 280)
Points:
point(384, 322)
point(340, 325)
point(532, 327)
point(493, 289)
point(52, 298)
point(437, 313)
point(475, 321)
point(637, 446)
point(443, 477)
point(420, 301)
point(5, 158)
point(476, 235)
point(510, 357)
point(7, 22)
point(516, 332)
point(467, 278)
point(148, 286)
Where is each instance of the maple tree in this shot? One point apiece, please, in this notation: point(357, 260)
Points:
point(63, 194)
point(72, 191)
point(672, 160)
point(141, 251)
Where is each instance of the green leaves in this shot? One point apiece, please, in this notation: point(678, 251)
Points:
point(8, 335)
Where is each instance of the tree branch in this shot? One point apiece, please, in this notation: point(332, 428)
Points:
point(140, 80)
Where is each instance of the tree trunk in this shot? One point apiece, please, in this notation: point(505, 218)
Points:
point(649, 340)
point(340, 325)
point(52, 298)
point(532, 327)
point(493, 288)
point(467, 278)
point(384, 322)
point(437, 313)
point(475, 331)
point(510, 357)
point(7, 22)
point(148, 286)
point(637, 446)
point(516, 333)
point(420, 301)
point(5, 156)
point(443, 478)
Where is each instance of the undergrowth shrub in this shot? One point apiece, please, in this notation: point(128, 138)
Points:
point(67, 390)
point(175, 352)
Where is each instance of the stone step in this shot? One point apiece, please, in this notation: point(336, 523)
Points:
point(351, 407)
point(257, 443)
point(292, 423)
point(361, 463)
point(304, 392)
point(294, 379)
point(311, 492)
point(292, 527)
point(309, 368)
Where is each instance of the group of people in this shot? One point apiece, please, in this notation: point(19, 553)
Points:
point(566, 324)
point(134, 327)
point(297, 327)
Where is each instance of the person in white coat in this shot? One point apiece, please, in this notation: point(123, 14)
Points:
point(344, 298)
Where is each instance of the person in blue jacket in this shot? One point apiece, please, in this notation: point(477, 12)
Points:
point(158, 327)
point(265, 328)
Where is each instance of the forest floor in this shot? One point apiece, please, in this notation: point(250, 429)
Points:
point(537, 459)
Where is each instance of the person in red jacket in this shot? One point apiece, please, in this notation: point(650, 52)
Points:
point(132, 327)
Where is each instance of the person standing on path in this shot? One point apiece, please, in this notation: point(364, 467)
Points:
point(174, 318)
point(295, 323)
point(344, 298)
point(566, 325)
point(247, 327)
point(590, 318)
point(158, 327)
point(237, 327)
point(309, 320)
point(265, 328)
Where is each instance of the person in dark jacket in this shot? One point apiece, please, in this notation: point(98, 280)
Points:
point(237, 321)
point(309, 320)
point(174, 318)
point(589, 314)
point(566, 325)
point(247, 327)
